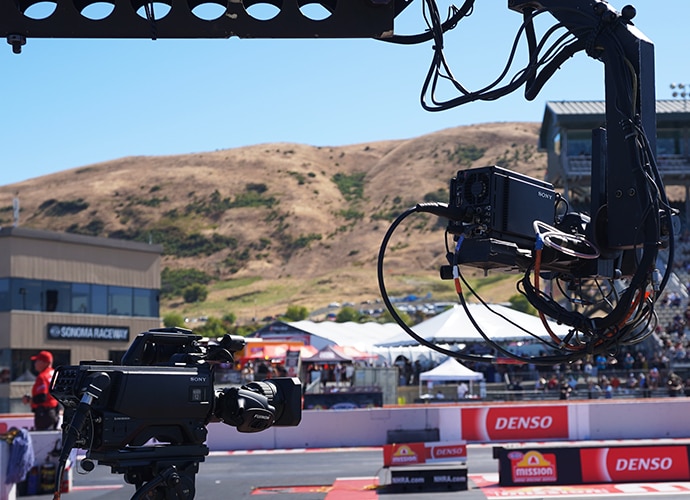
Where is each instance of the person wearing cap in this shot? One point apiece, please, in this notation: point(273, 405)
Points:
point(43, 405)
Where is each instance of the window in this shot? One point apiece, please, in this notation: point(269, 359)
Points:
point(77, 298)
point(668, 142)
point(57, 296)
point(119, 301)
point(145, 302)
point(579, 143)
point(5, 366)
point(5, 303)
point(557, 144)
point(80, 298)
point(99, 299)
point(26, 294)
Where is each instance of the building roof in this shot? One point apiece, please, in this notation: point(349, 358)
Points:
point(561, 108)
point(663, 106)
point(80, 239)
point(590, 114)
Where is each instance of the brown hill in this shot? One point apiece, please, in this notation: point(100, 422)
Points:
point(280, 224)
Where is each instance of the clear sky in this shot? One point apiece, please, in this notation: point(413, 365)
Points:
point(70, 103)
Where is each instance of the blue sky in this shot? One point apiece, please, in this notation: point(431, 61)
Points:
point(70, 103)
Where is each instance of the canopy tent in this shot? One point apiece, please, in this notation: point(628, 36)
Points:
point(454, 326)
point(354, 354)
point(450, 370)
point(275, 352)
point(361, 336)
point(328, 355)
point(427, 357)
point(358, 335)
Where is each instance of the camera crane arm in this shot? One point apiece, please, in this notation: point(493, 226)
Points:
point(629, 219)
point(628, 58)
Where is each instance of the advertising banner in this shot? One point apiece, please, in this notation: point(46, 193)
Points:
point(396, 455)
point(542, 465)
point(515, 423)
point(538, 465)
point(293, 363)
point(533, 467)
point(449, 477)
point(634, 463)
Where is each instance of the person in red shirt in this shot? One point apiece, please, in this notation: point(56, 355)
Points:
point(43, 405)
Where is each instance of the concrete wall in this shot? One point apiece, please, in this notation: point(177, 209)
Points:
point(599, 420)
point(328, 428)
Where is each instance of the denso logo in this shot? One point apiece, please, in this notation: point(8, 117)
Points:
point(455, 451)
point(641, 464)
point(521, 423)
point(516, 422)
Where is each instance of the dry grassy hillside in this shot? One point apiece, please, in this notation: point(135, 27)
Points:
point(279, 224)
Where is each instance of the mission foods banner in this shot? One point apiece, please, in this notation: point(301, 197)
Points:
point(592, 465)
point(515, 423)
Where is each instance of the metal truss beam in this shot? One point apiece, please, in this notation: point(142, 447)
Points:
point(347, 19)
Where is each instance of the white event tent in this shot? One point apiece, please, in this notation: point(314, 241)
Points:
point(359, 335)
point(450, 371)
point(454, 327)
point(451, 330)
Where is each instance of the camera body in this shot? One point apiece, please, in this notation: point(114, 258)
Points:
point(164, 391)
point(498, 214)
point(498, 208)
point(500, 204)
point(171, 404)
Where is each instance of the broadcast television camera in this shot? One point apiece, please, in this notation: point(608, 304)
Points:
point(147, 417)
point(501, 214)
point(497, 209)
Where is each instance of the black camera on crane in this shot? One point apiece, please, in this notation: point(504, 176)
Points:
point(147, 417)
point(499, 214)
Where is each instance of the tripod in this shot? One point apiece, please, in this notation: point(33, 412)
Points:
point(164, 472)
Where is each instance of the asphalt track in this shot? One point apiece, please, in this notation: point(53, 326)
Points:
point(347, 474)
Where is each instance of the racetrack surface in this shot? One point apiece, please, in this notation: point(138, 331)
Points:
point(347, 474)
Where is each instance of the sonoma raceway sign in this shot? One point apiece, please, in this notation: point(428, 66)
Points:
point(88, 332)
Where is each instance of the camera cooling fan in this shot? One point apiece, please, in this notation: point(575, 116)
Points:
point(476, 188)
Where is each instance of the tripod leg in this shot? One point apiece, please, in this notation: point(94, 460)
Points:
point(169, 484)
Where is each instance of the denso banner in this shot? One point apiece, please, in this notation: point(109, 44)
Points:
point(634, 464)
point(395, 455)
point(515, 423)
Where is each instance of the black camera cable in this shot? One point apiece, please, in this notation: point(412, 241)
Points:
point(98, 383)
point(443, 210)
